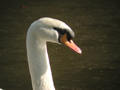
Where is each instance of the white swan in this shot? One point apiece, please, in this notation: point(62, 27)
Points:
point(42, 31)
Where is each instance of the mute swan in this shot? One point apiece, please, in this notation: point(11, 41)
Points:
point(41, 31)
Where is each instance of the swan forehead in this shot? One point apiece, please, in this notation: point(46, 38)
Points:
point(50, 22)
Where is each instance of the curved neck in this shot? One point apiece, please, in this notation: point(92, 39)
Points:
point(39, 64)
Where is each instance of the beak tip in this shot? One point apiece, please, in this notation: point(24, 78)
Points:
point(80, 51)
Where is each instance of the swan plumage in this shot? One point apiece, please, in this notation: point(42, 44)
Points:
point(39, 33)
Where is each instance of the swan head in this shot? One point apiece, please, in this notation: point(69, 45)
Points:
point(54, 30)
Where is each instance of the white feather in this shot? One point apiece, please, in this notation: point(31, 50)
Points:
point(40, 32)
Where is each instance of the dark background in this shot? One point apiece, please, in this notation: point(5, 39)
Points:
point(97, 27)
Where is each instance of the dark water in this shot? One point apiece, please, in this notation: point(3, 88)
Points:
point(97, 27)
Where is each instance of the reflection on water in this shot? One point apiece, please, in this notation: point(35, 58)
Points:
point(96, 25)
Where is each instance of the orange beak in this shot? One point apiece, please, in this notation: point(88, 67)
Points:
point(70, 44)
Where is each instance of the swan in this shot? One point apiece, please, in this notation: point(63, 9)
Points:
point(40, 32)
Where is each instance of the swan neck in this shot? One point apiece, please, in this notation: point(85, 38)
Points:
point(39, 65)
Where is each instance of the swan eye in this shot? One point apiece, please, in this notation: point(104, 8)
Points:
point(60, 31)
point(69, 37)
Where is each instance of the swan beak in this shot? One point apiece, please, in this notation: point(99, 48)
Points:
point(70, 44)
